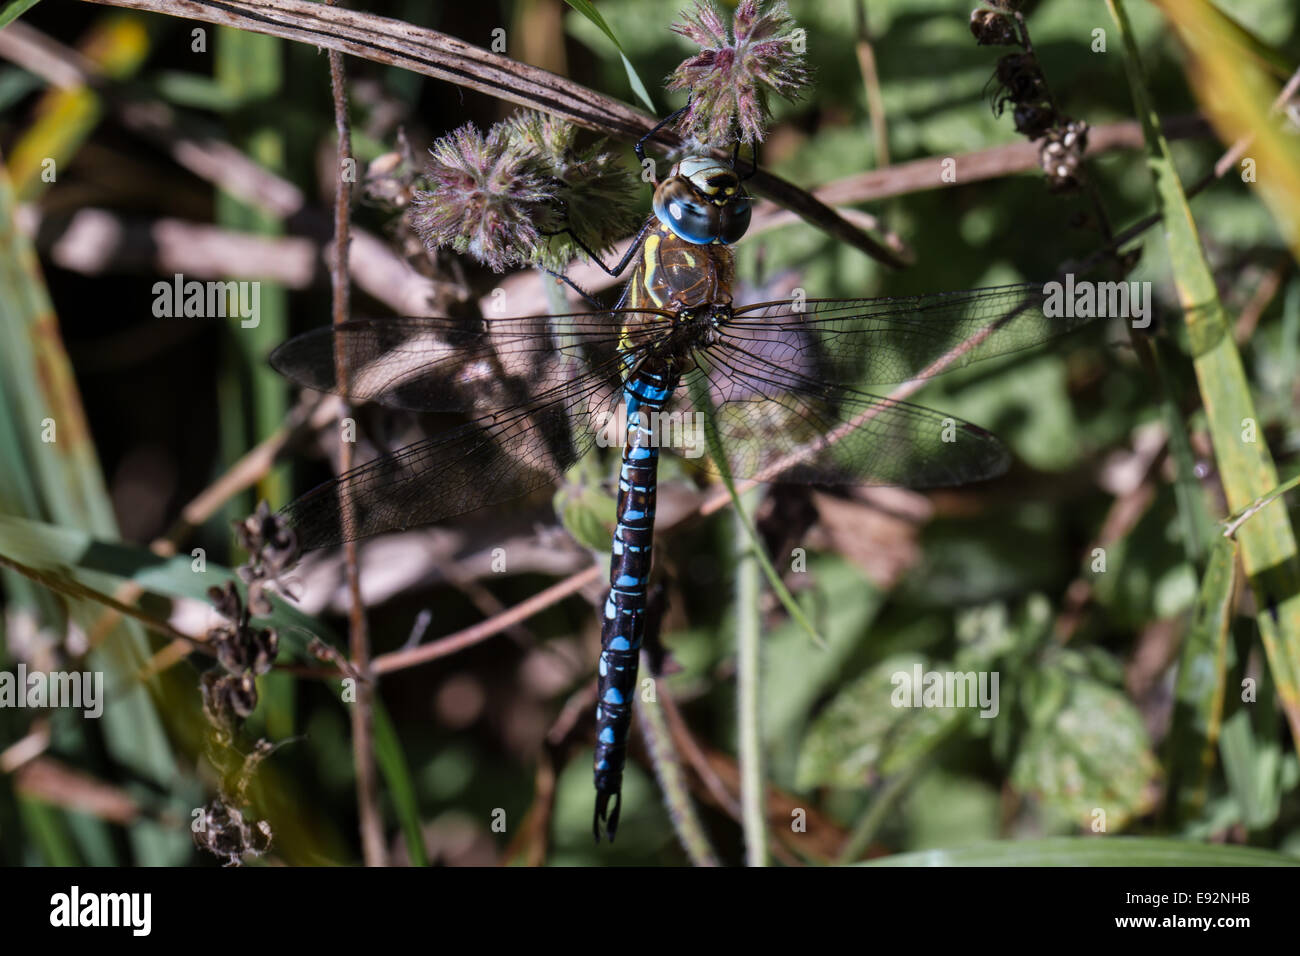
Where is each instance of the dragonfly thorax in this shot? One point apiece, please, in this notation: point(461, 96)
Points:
point(698, 328)
point(703, 202)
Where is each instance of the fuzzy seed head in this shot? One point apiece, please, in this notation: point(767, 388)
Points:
point(488, 196)
point(732, 75)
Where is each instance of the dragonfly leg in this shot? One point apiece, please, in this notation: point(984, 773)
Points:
point(614, 271)
point(639, 148)
point(590, 299)
point(753, 161)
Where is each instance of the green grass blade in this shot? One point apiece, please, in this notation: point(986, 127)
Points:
point(41, 391)
point(749, 673)
point(1193, 513)
point(1237, 87)
point(1091, 851)
point(14, 10)
point(49, 833)
point(254, 398)
point(116, 45)
point(701, 399)
point(671, 775)
point(1268, 545)
point(1256, 506)
point(1198, 693)
point(397, 774)
point(589, 11)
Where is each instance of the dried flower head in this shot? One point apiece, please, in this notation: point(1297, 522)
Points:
point(489, 196)
point(595, 192)
point(272, 549)
point(225, 832)
point(239, 645)
point(730, 78)
point(1061, 155)
point(506, 198)
point(992, 27)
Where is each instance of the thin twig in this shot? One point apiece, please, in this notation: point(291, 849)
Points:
point(96, 241)
point(363, 732)
point(477, 633)
point(871, 84)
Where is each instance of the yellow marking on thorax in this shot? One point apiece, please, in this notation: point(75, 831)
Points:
point(642, 284)
point(651, 260)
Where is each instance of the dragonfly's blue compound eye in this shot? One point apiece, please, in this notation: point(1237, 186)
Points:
point(694, 222)
point(735, 220)
point(717, 211)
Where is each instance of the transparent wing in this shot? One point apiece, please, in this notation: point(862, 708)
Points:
point(443, 364)
point(777, 423)
point(885, 341)
point(492, 459)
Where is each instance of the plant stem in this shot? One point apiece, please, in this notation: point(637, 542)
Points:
point(671, 776)
point(753, 812)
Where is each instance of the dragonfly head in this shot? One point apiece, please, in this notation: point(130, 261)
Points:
point(703, 202)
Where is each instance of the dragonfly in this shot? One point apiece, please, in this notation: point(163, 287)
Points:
point(780, 383)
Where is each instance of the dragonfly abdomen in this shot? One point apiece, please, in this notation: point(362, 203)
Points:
point(623, 624)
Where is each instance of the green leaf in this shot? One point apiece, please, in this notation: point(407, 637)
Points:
point(14, 10)
point(869, 729)
point(397, 775)
point(591, 13)
point(585, 509)
point(1091, 851)
point(1091, 754)
point(795, 675)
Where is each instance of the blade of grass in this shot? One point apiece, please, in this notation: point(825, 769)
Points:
point(591, 13)
point(1256, 506)
point(49, 833)
point(1193, 513)
point(1198, 692)
point(701, 399)
point(118, 44)
point(669, 772)
point(392, 764)
point(749, 693)
point(41, 390)
point(1234, 81)
point(1091, 851)
point(254, 400)
point(14, 10)
point(1268, 547)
